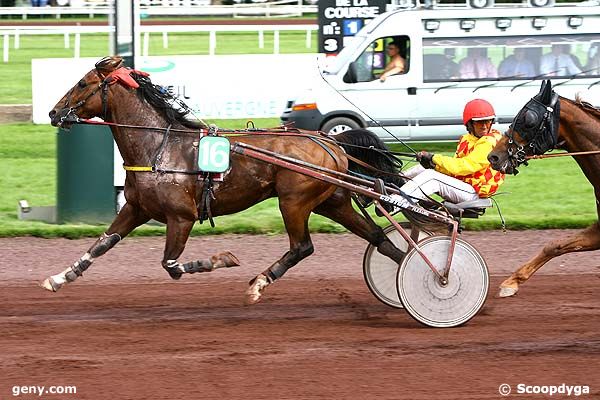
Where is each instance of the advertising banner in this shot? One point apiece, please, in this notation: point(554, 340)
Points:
point(222, 87)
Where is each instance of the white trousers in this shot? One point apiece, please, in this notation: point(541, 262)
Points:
point(425, 182)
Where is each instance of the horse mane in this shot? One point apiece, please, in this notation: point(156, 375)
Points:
point(588, 107)
point(162, 100)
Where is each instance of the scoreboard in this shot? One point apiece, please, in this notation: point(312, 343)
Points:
point(340, 20)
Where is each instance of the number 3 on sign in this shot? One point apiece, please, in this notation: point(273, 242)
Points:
point(213, 154)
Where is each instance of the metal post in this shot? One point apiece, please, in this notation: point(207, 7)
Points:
point(146, 44)
point(212, 42)
point(165, 37)
point(6, 44)
point(127, 23)
point(308, 39)
point(17, 44)
point(112, 34)
point(77, 45)
point(66, 40)
point(261, 39)
point(276, 42)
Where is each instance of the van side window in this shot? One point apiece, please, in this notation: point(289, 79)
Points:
point(593, 60)
point(384, 57)
point(510, 57)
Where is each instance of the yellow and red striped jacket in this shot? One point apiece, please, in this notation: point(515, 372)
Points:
point(470, 164)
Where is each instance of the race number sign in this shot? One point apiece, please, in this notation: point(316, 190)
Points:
point(340, 20)
point(213, 154)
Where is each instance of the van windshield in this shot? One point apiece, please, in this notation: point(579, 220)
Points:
point(511, 57)
point(335, 64)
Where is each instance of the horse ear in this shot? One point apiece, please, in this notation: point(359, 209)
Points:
point(545, 94)
point(109, 64)
point(543, 86)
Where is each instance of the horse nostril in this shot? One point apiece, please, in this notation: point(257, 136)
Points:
point(52, 114)
point(492, 159)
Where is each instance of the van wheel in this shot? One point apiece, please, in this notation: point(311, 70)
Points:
point(339, 125)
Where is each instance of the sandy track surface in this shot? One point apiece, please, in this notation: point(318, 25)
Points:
point(126, 331)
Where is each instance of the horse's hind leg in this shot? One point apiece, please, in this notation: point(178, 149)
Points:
point(586, 240)
point(127, 220)
point(339, 209)
point(295, 217)
point(178, 231)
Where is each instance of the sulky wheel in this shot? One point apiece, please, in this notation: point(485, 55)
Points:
point(433, 304)
point(380, 271)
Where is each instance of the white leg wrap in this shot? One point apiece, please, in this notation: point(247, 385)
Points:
point(55, 282)
point(177, 265)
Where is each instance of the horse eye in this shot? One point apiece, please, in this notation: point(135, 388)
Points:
point(82, 84)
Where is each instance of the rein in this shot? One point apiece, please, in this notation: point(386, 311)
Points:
point(224, 133)
point(578, 153)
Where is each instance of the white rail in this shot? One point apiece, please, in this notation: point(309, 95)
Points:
point(145, 30)
point(263, 9)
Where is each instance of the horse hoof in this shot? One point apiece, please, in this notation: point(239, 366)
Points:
point(224, 260)
point(254, 292)
point(50, 285)
point(175, 275)
point(507, 292)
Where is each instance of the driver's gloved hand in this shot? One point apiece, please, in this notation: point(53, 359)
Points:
point(426, 159)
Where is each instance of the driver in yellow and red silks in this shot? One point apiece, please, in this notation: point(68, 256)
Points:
point(466, 176)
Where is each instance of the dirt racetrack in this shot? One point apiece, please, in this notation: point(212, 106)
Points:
point(126, 331)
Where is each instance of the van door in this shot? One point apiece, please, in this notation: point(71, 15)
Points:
point(380, 84)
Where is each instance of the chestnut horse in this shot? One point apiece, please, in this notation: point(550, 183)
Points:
point(150, 131)
point(548, 122)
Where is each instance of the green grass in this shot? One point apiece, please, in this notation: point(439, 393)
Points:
point(16, 74)
point(550, 193)
point(28, 162)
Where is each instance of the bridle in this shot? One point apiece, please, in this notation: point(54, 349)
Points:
point(105, 82)
point(540, 135)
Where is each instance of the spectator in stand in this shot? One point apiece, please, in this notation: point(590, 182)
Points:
point(477, 65)
point(517, 65)
point(557, 63)
point(450, 68)
point(593, 65)
point(567, 51)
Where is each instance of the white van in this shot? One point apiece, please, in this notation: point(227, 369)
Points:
point(515, 47)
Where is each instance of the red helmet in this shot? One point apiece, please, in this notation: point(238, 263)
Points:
point(478, 110)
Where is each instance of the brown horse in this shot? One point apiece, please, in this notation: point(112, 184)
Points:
point(150, 131)
point(548, 122)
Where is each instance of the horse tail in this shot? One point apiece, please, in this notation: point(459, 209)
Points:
point(367, 147)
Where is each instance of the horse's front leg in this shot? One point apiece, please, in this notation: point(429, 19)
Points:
point(586, 240)
point(178, 231)
point(127, 220)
